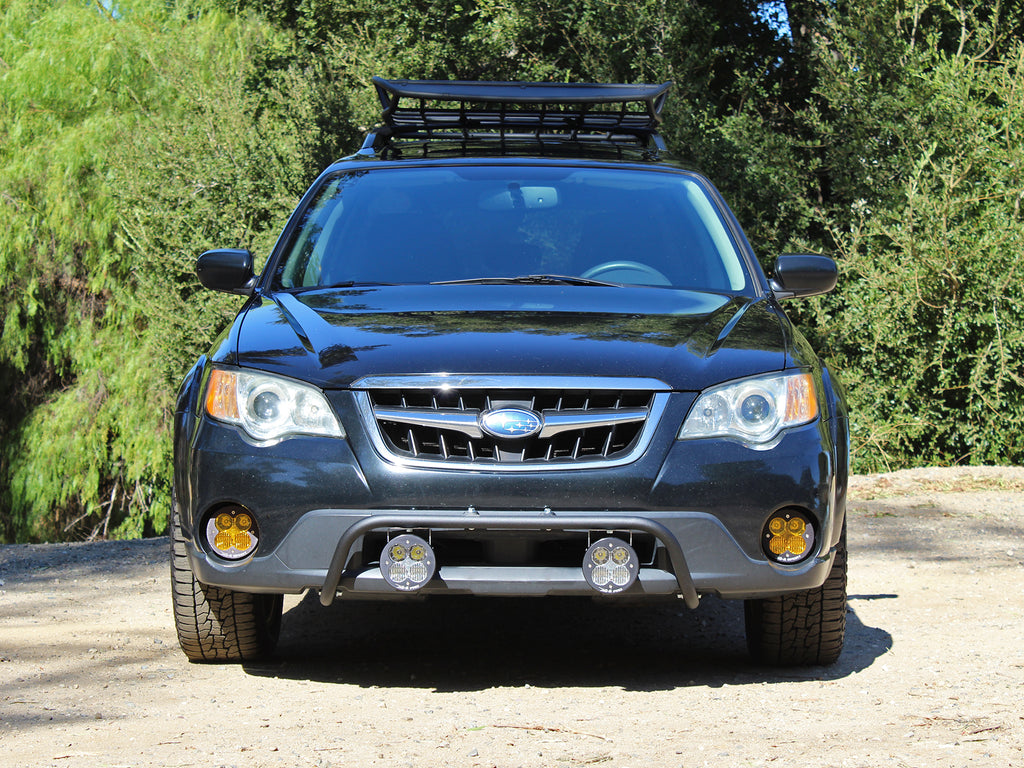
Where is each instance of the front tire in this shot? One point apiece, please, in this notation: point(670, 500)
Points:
point(802, 628)
point(216, 624)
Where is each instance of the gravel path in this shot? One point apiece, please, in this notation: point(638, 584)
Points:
point(932, 674)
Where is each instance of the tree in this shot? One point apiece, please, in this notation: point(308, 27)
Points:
point(70, 73)
point(886, 132)
point(133, 142)
point(903, 159)
point(920, 115)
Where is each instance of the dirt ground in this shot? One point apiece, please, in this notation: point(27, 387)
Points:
point(932, 674)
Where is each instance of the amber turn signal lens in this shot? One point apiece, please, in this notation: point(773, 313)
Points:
point(221, 400)
point(801, 404)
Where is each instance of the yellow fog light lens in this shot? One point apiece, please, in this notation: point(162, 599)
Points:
point(232, 534)
point(788, 537)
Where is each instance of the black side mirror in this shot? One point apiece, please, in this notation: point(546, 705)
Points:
point(228, 270)
point(795, 275)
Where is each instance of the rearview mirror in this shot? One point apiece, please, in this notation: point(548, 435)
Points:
point(517, 197)
point(228, 270)
point(795, 275)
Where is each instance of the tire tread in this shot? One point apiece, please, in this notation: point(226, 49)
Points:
point(217, 624)
point(802, 628)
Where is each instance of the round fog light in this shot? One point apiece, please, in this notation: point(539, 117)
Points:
point(407, 562)
point(788, 537)
point(610, 566)
point(232, 534)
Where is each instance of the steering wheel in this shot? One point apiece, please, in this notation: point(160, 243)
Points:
point(601, 270)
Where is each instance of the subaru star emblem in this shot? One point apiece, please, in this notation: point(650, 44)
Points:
point(509, 423)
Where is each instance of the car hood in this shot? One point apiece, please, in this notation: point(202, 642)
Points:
point(687, 339)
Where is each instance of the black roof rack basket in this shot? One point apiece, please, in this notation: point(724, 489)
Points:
point(419, 109)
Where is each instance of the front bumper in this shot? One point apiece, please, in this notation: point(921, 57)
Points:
point(700, 558)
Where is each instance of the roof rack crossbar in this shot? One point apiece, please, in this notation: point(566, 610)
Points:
point(456, 145)
point(422, 117)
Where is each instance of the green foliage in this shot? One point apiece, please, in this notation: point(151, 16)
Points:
point(907, 154)
point(930, 322)
point(70, 73)
point(161, 134)
point(886, 132)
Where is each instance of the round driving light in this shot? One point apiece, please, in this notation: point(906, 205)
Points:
point(788, 537)
point(407, 562)
point(232, 534)
point(610, 566)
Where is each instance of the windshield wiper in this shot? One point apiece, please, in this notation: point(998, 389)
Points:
point(331, 286)
point(527, 280)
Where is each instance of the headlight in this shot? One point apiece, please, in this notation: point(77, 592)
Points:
point(755, 410)
point(269, 407)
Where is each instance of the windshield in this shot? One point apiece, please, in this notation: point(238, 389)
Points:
point(490, 223)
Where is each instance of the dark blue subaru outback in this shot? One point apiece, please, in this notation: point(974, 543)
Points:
point(510, 347)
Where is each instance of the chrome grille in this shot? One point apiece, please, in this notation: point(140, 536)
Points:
point(436, 421)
